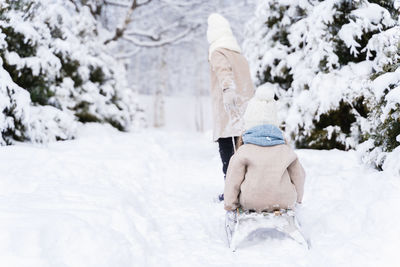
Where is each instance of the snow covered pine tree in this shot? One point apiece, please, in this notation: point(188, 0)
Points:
point(55, 71)
point(335, 67)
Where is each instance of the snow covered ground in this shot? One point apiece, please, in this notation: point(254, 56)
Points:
point(146, 199)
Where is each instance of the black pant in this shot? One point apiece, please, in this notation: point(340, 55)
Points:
point(226, 151)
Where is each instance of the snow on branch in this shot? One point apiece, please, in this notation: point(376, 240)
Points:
point(119, 31)
point(152, 33)
point(149, 34)
point(116, 3)
point(127, 54)
point(161, 42)
point(181, 3)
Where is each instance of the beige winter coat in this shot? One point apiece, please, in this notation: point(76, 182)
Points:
point(229, 69)
point(264, 178)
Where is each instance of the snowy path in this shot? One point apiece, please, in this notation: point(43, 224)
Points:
point(145, 199)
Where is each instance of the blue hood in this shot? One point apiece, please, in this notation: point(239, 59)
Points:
point(264, 135)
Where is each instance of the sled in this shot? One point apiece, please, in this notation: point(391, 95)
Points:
point(246, 222)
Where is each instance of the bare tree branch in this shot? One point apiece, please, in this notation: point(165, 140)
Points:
point(75, 5)
point(119, 31)
point(152, 34)
point(149, 34)
point(182, 3)
point(115, 3)
point(160, 32)
point(161, 42)
point(128, 54)
point(95, 11)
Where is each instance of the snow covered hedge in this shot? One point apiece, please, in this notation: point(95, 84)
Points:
point(55, 71)
point(335, 67)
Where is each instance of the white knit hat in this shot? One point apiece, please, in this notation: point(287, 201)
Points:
point(261, 109)
point(219, 34)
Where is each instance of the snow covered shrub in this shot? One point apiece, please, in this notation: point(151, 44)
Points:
point(322, 66)
point(52, 49)
point(267, 41)
point(381, 130)
point(336, 67)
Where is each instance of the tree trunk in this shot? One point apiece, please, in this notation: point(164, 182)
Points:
point(159, 103)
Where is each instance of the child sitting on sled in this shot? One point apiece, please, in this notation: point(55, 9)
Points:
point(264, 174)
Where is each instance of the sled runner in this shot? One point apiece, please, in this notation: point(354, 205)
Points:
point(240, 224)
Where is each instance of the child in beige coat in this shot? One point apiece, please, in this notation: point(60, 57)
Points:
point(264, 174)
point(231, 86)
